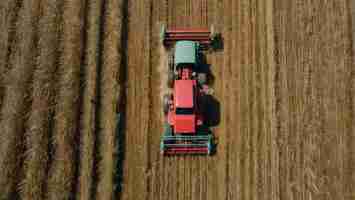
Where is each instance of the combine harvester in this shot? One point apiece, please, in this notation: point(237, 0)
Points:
point(185, 129)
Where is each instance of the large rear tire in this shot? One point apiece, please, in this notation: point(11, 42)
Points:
point(171, 75)
point(171, 59)
point(168, 131)
point(171, 78)
point(202, 78)
point(162, 33)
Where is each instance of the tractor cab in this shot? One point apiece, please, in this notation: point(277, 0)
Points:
point(186, 54)
point(185, 62)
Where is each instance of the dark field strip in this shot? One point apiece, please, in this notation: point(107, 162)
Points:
point(38, 126)
point(16, 99)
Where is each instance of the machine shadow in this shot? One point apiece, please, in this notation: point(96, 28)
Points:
point(120, 149)
point(121, 107)
point(204, 67)
point(218, 43)
point(211, 110)
point(209, 104)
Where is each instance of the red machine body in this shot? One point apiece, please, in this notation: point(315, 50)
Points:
point(185, 131)
point(184, 115)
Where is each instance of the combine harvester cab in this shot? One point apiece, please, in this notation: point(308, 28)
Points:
point(185, 131)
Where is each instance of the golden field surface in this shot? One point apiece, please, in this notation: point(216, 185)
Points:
point(81, 109)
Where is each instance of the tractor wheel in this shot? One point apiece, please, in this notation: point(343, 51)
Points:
point(202, 78)
point(212, 32)
point(171, 78)
point(171, 75)
point(166, 105)
point(171, 59)
point(162, 33)
point(168, 131)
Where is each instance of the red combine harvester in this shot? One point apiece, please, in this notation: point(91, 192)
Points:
point(185, 128)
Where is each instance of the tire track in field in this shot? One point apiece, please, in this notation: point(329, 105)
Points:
point(161, 168)
point(151, 115)
point(16, 100)
point(224, 129)
point(245, 101)
point(280, 33)
point(234, 159)
point(165, 171)
point(350, 170)
point(214, 166)
point(158, 82)
point(254, 115)
point(170, 171)
point(291, 106)
point(276, 128)
point(273, 183)
point(261, 97)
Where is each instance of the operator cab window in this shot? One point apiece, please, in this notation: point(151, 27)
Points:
point(184, 111)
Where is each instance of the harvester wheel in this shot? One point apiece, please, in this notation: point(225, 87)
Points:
point(166, 105)
point(171, 78)
point(171, 75)
point(171, 60)
point(168, 131)
point(202, 78)
point(212, 32)
point(162, 33)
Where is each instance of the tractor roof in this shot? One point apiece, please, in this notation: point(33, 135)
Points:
point(185, 52)
point(184, 96)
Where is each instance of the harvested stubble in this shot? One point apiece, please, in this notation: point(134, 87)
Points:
point(38, 126)
point(15, 102)
point(90, 101)
point(62, 172)
point(110, 92)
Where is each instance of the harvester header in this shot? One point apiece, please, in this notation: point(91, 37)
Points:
point(204, 36)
